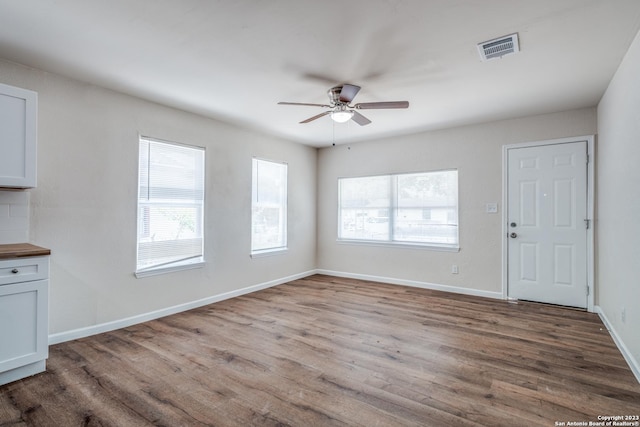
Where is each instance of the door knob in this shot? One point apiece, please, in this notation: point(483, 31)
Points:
point(513, 235)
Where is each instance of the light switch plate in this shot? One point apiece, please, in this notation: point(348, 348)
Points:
point(492, 208)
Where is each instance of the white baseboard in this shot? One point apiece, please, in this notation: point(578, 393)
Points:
point(413, 283)
point(133, 320)
point(631, 361)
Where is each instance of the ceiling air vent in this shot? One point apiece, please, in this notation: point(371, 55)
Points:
point(497, 48)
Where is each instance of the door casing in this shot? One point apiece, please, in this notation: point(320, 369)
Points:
point(590, 140)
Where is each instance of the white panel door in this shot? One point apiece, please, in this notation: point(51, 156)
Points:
point(547, 231)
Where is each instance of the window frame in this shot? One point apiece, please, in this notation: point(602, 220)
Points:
point(393, 208)
point(178, 265)
point(284, 239)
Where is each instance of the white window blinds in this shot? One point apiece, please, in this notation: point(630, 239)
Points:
point(170, 205)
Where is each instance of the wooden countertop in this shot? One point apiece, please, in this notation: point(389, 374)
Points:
point(19, 250)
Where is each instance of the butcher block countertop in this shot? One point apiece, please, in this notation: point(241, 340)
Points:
point(19, 250)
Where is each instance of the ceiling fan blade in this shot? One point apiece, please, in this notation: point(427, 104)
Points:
point(360, 119)
point(380, 105)
point(348, 92)
point(310, 119)
point(305, 104)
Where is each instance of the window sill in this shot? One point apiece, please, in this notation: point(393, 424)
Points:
point(269, 252)
point(170, 268)
point(406, 245)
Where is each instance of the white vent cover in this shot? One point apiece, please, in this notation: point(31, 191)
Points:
point(497, 48)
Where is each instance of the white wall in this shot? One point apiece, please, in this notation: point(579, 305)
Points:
point(476, 151)
point(14, 216)
point(618, 202)
point(84, 208)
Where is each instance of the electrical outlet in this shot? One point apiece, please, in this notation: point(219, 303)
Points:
point(454, 269)
point(623, 314)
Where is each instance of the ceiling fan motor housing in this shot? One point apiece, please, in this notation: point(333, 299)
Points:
point(334, 95)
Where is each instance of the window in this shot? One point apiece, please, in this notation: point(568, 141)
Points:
point(170, 206)
point(268, 207)
point(413, 208)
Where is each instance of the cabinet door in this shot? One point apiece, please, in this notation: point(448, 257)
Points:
point(23, 324)
point(18, 124)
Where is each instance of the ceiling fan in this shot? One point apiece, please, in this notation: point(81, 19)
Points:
point(341, 111)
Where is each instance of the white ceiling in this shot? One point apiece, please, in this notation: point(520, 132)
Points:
point(235, 59)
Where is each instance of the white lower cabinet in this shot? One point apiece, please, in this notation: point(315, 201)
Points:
point(24, 312)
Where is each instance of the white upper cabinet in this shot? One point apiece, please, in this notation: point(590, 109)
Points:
point(18, 137)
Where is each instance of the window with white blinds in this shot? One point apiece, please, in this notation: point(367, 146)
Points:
point(268, 207)
point(170, 206)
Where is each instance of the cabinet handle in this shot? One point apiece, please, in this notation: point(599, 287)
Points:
point(15, 271)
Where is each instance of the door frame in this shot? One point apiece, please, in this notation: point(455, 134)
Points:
point(590, 140)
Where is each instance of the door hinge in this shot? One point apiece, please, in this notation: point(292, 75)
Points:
point(588, 291)
point(588, 158)
point(587, 223)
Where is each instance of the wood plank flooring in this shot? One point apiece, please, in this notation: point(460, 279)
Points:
point(327, 351)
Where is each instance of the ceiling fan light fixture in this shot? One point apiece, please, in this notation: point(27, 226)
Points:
point(341, 116)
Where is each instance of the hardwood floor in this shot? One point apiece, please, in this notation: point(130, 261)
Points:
point(331, 351)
